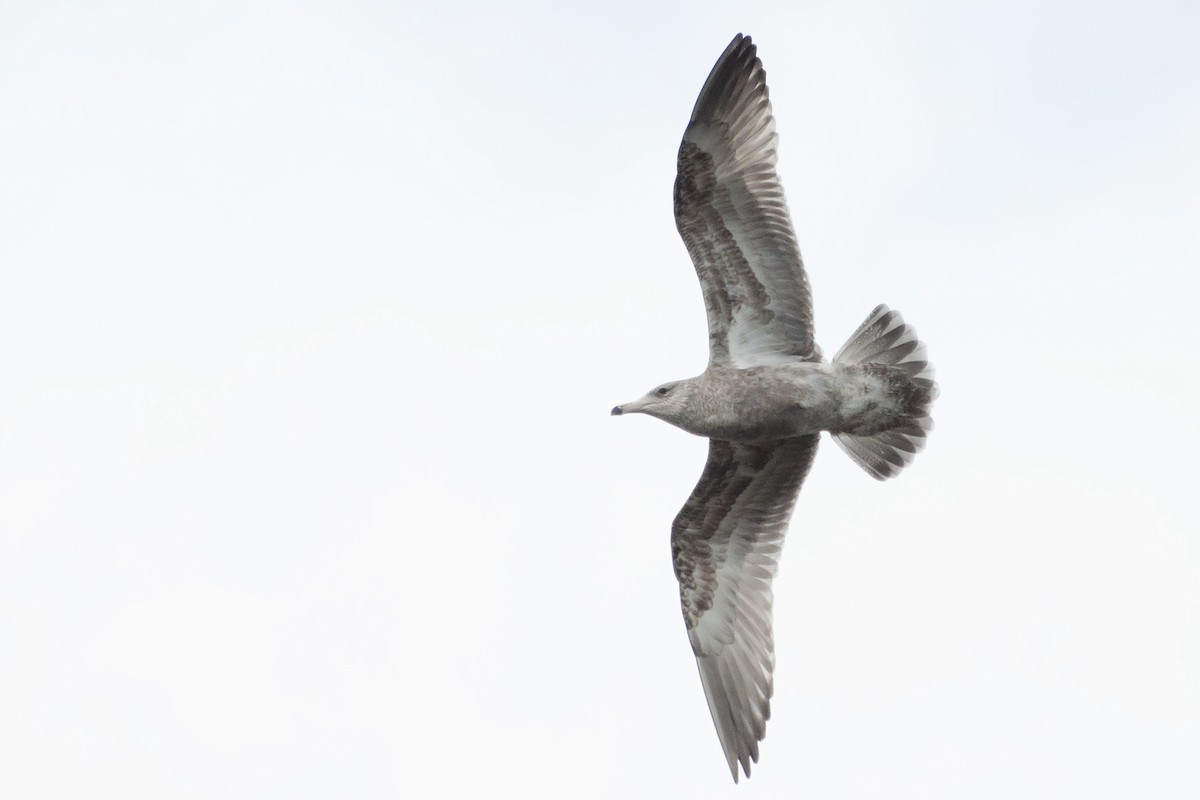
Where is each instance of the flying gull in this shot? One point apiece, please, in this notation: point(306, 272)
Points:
point(766, 395)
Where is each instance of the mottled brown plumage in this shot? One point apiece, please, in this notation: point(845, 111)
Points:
point(725, 546)
point(765, 396)
point(733, 218)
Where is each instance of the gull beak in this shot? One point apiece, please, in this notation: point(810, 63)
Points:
point(634, 407)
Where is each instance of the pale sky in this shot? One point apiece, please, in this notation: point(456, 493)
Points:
point(311, 318)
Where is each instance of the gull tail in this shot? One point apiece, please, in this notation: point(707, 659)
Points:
point(888, 348)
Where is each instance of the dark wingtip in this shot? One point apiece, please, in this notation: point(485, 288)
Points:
point(616, 412)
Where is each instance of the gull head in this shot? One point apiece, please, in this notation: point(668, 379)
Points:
point(666, 401)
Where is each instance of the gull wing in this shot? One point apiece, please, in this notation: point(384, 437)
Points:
point(725, 546)
point(730, 211)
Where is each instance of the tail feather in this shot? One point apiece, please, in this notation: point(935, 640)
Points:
point(884, 338)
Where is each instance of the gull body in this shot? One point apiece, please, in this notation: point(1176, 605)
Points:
point(757, 404)
point(766, 396)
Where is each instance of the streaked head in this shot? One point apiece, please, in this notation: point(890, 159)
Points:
point(665, 401)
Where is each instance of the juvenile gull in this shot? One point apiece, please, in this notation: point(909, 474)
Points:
point(765, 396)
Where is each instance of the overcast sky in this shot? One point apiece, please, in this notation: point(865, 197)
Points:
point(311, 317)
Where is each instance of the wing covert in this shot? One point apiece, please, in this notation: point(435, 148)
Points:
point(725, 546)
point(731, 213)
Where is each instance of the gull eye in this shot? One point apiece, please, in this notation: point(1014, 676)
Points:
point(662, 391)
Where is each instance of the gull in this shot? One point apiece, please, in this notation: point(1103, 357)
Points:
point(766, 395)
